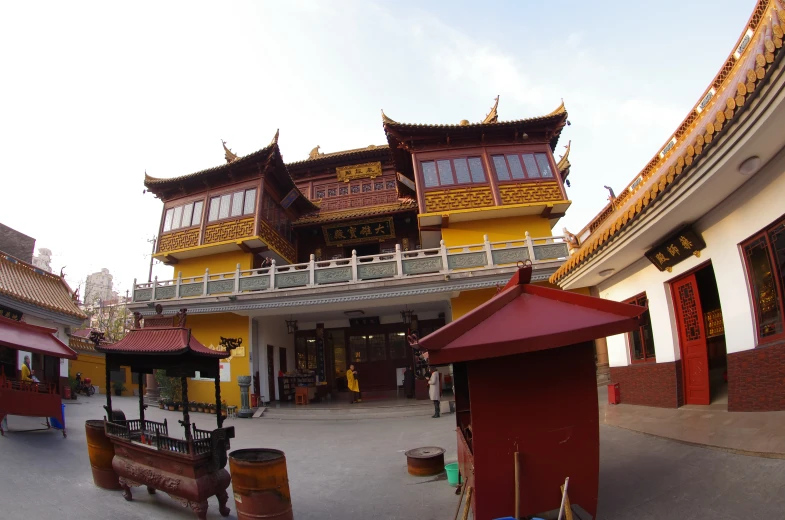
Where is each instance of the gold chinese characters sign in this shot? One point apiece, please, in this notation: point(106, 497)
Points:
point(359, 171)
point(377, 229)
point(676, 248)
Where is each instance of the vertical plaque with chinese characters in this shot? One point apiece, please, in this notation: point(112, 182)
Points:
point(676, 248)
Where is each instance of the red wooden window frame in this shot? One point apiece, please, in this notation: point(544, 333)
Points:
point(525, 169)
point(766, 235)
point(645, 320)
point(453, 175)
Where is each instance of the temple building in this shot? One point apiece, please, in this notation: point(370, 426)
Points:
point(332, 260)
point(698, 236)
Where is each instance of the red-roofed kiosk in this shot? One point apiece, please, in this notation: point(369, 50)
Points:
point(189, 469)
point(31, 398)
point(524, 377)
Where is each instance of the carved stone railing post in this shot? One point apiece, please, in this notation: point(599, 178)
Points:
point(530, 246)
point(488, 250)
point(354, 265)
point(312, 271)
point(237, 279)
point(155, 283)
point(272, 275)
point(245, 403)
point(179, 282)
point(443, 252)
point(398, 261)
point(206, 279)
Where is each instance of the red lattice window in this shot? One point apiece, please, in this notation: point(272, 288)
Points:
point(641, 340)
point(764, 257)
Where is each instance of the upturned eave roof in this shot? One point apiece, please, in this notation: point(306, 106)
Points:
point(26, 283)
point(742, 77)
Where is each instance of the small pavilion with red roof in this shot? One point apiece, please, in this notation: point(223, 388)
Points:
point(526, 394)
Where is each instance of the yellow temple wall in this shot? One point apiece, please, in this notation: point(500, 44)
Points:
point(208, 329)
point(498, 229)
point(218, 263)
point(94, 367)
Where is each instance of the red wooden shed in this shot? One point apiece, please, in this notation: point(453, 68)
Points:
point(524, 380)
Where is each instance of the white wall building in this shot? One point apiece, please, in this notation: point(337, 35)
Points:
point(715, 330)
point(98, 286)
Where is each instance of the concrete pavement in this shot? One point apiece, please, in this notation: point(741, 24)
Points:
point(356, 470)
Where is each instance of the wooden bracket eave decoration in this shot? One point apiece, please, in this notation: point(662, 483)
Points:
point(546, 211)
point(169, 260)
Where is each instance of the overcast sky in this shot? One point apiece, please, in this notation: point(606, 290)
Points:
point(94, 94)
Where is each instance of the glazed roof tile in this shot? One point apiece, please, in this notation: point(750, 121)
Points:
point(742, 76)
point(160, 341)
point(555, 115)
point(26, 283)
point(341, 154)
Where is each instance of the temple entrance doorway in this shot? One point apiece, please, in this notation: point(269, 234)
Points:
point(698, 313)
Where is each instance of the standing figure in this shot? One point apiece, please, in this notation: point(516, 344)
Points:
point(408, 382)
point(434, 392)
point(354, 384)
point(27, 372)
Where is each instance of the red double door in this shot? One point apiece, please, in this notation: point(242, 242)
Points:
point(692, 339)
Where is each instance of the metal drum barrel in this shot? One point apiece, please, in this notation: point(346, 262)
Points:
point(261, 484)
point(101, 451)
point(424, 462)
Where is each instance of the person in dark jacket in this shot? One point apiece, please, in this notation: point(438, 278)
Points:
point(408, 382)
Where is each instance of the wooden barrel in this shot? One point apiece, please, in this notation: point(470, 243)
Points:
point(261, 484)
point(101, 451)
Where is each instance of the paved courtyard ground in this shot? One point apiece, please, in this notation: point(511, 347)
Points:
point(356, 470)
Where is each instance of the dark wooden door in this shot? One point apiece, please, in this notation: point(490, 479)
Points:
point(692, 340)
point(271, 371)
point(282, 366)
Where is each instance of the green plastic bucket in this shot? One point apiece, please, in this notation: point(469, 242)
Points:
point(452, 473)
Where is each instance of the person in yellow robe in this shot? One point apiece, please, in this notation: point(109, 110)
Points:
point(353, 384)
point(27, 373)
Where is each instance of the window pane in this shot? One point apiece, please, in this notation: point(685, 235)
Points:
point(637, 345)
point(445, 172)
point(777, 239)
point(377, 347)
point(250, 201)
point(764, 292)
point(531, 166)
point(311, 344)
point(337, 341)
point(515, 167)
point(544, 164)
point(357, 350)
point(429, 174)
point(215, 204)
point(225, 202)
point(478, 174)
point(197, 218)
point(462, 171)
point(168, 220)
point(178, 215)
point(237, 203)
point(187, 212)
point(501, 168)
point(648, 337)
point(397, 345)
point(299, 352)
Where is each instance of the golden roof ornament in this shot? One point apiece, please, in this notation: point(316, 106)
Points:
point(315, 153)
point(230, 157)
point(275, 137)
point(493, 115)
point(559, 110)
point(386, 119)
point(564, 161)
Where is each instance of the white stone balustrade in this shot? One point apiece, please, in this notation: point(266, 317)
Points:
point(348, 271)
